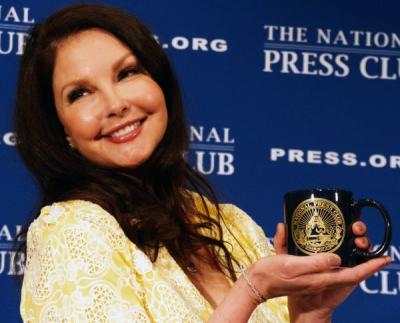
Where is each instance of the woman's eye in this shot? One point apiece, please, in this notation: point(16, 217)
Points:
point(127, 72)
point(76, 94)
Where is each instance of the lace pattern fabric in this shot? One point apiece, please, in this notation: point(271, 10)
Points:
point(82, 268)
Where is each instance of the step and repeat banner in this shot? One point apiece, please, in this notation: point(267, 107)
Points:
point(280, 95)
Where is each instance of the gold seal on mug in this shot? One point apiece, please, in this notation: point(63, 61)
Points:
point(318, 226)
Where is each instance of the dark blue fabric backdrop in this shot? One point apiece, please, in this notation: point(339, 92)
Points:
point(280, 95)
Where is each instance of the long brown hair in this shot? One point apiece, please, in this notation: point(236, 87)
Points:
point(151, 202)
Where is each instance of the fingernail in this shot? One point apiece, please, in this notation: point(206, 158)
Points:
point(388, 260)
point(334, 260)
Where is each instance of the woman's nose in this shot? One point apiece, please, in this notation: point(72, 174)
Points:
point(115, 103)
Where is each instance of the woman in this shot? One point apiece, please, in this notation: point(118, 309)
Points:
point(120, 237)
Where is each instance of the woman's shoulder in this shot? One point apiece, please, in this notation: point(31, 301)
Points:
point(74, 217)
point(77, 256)
point(74, 211)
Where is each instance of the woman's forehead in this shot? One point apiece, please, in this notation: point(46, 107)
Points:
point(88, 47)
point(90, 38)
point(88, 54)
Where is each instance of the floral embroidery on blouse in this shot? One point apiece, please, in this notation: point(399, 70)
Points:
point(82, 268)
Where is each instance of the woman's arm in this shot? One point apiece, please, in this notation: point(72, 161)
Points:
point(237, 306)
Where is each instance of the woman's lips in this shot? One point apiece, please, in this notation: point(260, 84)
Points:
point(125, 134)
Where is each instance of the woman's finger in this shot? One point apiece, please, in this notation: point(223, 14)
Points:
point(325, 267)
point(348, 276)
point(280, 239)
point(339, 277)
point(359, 228)
point(362, 243)
point(289, 267)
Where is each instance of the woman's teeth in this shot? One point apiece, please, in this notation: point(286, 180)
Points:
point(124, 131)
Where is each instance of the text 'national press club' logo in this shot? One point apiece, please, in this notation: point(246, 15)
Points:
point(11, 260)
point(330, 52)
point(197, 44)
point(15, 21)
point(212, 150)
point(334, 158)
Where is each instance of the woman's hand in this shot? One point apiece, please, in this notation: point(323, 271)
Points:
point(315, 284)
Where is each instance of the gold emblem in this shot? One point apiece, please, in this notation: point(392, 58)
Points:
point(318, 226)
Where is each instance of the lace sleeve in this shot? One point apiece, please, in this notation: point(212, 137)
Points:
point(77, 271)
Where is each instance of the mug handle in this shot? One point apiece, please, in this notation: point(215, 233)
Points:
point(357, 206)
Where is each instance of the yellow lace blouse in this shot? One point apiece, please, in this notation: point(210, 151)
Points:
point(82, 268)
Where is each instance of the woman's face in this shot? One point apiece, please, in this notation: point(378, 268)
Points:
point(113, 113)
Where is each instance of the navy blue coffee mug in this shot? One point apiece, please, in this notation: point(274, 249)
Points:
point(320, 220)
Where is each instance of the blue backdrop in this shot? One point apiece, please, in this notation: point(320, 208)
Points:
point(280, 95)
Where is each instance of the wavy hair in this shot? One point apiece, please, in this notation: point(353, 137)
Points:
point(151, 202)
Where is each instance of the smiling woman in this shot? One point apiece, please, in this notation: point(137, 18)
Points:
point(128, 231)
point(112, 111)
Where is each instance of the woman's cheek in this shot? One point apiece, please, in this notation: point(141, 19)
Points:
point(156, 99)
point(147, 94)
point(84, 122)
